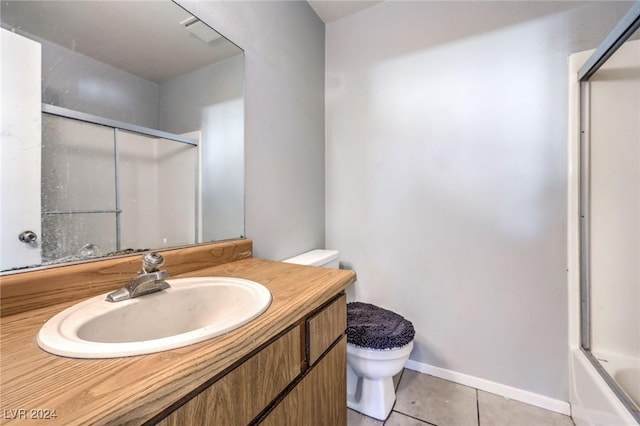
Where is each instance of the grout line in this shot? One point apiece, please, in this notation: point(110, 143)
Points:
point(478, 407)
point(394, 406)
point(415, 418)
point(393, 410)
point(399, 380)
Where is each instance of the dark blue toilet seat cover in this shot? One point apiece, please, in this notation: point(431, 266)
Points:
point(372, 327)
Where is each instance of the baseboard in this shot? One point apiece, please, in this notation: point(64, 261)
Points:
point(509, 392)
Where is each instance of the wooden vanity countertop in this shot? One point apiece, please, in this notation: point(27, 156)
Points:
point(133, 390)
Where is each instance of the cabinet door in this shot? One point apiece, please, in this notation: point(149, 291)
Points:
point(238, 397)
point(320, 398)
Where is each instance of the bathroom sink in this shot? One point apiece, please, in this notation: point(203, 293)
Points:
point(190, 311)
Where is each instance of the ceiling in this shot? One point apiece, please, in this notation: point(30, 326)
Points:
point(332, 10)
point(147, 38)
point(168, 48)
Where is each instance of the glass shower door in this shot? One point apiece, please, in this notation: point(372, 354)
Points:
point(611, 228)
point(78, 189)
point(105, 190)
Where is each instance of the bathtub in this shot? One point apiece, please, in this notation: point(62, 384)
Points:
point(629, 380)
point(625, 370)
point(593, 403)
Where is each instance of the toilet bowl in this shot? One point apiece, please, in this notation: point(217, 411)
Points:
point(379, 343)
point(370, 372)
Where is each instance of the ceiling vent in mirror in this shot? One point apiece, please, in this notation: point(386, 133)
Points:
point(200, 29)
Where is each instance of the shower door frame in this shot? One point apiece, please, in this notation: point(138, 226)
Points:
point(629, 24)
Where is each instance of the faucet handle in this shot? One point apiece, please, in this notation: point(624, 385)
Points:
point(151, 262)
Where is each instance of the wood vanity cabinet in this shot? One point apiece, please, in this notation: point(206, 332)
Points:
point(321, 396)
point(297, 379)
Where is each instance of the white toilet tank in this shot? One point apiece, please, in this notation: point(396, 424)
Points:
point(324, 258)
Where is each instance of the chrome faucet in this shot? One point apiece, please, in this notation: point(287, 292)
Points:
point(148, 280)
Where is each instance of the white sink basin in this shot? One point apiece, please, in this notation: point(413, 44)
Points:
point(190, 311)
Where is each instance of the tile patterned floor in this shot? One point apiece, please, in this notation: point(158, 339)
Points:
point(427, 400)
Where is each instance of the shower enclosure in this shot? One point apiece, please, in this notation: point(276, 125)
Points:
point(109, 186)
point(609, 208)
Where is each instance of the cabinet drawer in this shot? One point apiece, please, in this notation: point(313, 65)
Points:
point(238, 397)
point(326, 327)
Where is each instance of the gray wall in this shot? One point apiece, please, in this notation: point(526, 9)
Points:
point(447, 175)
point(446, 164)
point(78, 82)
point(211, 100)
point(284, 119)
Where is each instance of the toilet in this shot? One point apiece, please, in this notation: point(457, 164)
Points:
point(379, 343)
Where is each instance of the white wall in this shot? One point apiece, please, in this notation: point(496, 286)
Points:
point(284, 119)
point(446, 175)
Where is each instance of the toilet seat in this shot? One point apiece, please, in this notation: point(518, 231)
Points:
point(370, 326)
point(379, 354)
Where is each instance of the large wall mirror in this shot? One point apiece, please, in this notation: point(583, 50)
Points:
point(122, 129)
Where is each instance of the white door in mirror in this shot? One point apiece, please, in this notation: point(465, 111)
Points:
point(20, 154)
point(190, 311)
